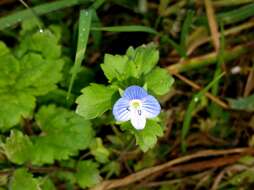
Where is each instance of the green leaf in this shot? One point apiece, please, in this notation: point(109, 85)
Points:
point(135, 63)
point(30, 25)
point(100, 153)
point(66, 176)
point(63, 134)
point(14, 106)
point(246, 103)
point(18, 147)
point(147, 137)
point(95, 100)
point(145, 57)
point(21, 178)
point(45, 43)
point(47, 184)
point(239, 179)
point(9, 67)
point(111, 168)
point(37, 75)
point(115, 67)
point(34, 72)
point(159, 81)
point(147, 161)
point(87, 174)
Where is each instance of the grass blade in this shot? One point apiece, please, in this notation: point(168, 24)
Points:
point(19, 16)
point(177, 47)
point(231, 17)
point(191, 108)
point(83, 34)
point(185, 29)
point(130, 28)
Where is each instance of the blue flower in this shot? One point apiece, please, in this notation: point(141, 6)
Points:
point(136, 105)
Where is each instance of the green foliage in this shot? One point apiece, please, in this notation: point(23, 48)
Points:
point(137, 66)
point(33, 71)
point(95, 100)
point(87, 173)
point(159, 81)
point(239, 179)
point(147, 137)
point(135, 63)
point(21, 178)
point(116, 67)
point(58, 129)
point(246, 103)
point(100, 153)
point(111, 168)
point(18, 147)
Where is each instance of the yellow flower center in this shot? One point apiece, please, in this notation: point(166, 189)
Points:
point(136, 104)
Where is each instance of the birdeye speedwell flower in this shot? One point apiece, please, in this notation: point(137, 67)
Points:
point(136, 105)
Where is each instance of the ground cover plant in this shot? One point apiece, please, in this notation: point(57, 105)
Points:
point(120, 94)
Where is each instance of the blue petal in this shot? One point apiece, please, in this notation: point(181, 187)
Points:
point(150, 106)
point(134, 92)
point(121, 110)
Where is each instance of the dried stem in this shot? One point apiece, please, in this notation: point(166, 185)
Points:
point(109, 184)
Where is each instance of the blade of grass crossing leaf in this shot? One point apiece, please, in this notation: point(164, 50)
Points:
point(185, 29)
point(34, 14)
point(130, 28)
point(83, 34)
point(45, 8)
point(191, 108)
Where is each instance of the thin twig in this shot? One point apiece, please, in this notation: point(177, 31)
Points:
point(212, 25)
point(172, 181)
point(210, 58)
point(109, 184)
point(207, 94)
point(234, 30)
